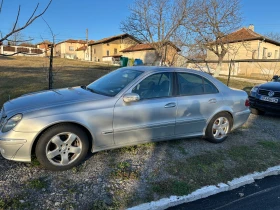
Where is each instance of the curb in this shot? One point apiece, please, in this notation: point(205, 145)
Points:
point(207, 191)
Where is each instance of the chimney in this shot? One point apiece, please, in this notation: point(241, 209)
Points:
point(251, 27)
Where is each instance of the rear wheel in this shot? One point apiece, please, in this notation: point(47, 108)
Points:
point(257, 111)
point(219, 127)
point(62, 147)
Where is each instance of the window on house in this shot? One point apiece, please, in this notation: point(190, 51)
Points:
point(264, 53)
point(108, 53)
point(108, 44)
point(71, 48)
point(115, 51)
point(276, 54)
point(94, 51)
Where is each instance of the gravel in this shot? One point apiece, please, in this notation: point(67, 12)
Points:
point(102, 181)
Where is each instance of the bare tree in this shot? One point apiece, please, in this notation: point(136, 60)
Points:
point(50, 73)
point(157, 22)
point(16, 28)
point(274, 36)
point(16, 38)
point(211, 21)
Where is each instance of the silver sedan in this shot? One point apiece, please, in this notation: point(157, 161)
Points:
point(128, 106)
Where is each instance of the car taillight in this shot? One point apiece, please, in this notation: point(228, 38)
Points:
point(247, 103)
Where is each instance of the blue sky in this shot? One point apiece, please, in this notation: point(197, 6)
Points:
point(69, 18)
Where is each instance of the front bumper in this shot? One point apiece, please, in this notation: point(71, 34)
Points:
point(9, 147)
point(17, 146)
point(263, 105)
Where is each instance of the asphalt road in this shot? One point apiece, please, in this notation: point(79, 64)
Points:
point(264, 194)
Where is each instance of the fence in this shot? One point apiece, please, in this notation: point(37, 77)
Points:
point(257, 68)
point(20, 51)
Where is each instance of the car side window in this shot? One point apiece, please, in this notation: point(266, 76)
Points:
point(155, 86)
point(209, 88)
point(191, 84)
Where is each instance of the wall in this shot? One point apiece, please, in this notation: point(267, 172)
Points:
point(80, 54)
point(29, 53)
point(97, 56)
point(147, 56)
point(101, 49)
point(247, 50)
point(62, 50)
point(262, 70)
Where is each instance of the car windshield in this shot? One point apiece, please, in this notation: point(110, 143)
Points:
point(112, 83)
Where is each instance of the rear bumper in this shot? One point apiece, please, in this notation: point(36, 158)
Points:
point(240, 118)
point(263, 105)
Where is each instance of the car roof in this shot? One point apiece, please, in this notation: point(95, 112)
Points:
point(164, 68)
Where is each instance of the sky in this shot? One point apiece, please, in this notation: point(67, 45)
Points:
point(69, 19)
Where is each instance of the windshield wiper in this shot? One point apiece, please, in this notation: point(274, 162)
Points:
point(91, 90)
point(94, 91)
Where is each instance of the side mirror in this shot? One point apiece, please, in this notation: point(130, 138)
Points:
point(131, 97)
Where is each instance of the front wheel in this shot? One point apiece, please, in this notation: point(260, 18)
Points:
point(219, 127)
point(62, 147)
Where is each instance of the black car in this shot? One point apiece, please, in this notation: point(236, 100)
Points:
point(266, 97)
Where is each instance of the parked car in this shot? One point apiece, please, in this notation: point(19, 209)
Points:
point(128, 106)
point(266, 97)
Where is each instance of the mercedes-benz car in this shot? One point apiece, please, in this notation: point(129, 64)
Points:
point(266, 97)
point(128, 106)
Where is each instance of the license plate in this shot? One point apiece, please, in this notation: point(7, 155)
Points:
point(265, 98)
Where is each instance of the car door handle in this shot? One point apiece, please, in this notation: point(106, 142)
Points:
point(212, 101)
point(170, 105)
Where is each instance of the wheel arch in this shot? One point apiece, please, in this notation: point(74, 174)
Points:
point(84, 128)
point(210, 118)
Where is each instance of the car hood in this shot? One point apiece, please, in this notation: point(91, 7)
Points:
point(274, 86)
point(48, 98)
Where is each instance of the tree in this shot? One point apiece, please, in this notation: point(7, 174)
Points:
point(50, 73)
point(16, 29)
point(16, 38)
point(210, 22)
point(274, 36)
point(157, 22)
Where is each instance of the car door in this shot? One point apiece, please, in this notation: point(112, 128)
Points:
point(150, 118)
point(197, 100)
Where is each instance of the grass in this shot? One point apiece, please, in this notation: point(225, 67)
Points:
point(124, 170)
point(242, 85)
point(212, 168)
point(20, 75)
point(13, 203)
point(177, 187)
point(37, 184)
point(260, 77)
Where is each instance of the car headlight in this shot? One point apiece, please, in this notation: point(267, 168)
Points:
point(255, 89)
point(11, 123)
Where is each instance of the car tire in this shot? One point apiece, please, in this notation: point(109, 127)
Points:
point(257, 111)
point(219, 127)
point(62, 147)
